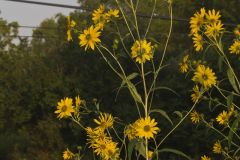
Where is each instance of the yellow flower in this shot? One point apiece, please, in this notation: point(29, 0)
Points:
point(146, 127)
point(213, 30)
point(236, 31)
point(78, 101)
point(65, 108)
point(104, 121)
point(217, 148)
point(67, 154)
point(222, 118)
point(204, 157)
point(111, 151)
point(95, 135)
point(142, 51)
point(205, 76)
point(230, 110)
point(235, 47)
point(196, 93)
point(71, 24)
point(113, 13)
point(198, 42)
point(106, 148)
point(131, 131)
point(100, 145)
point(213, 16)
point(89, 38)
point(98, 13)
point(150, 154)
point(184, 64)
point(69, 35)
point(195, 117)
point(99, 17)
point(197, 21)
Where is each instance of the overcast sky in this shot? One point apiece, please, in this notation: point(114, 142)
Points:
point(30, 14)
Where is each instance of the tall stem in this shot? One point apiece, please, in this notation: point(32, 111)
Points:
point(146, 148)
point(145, 91)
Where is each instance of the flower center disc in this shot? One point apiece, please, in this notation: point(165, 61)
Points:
point(88, 37)
point(205, 77)
point(64, 108)
point(146, 128)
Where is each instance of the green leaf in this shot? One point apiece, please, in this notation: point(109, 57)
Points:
point(131, 146)
point(132, 76)
point(163, 113)
point(165, 88)
point(230, 134)
point(140, 148)
point(134, 92)
point(232, 80)
point(178, 113)
point(220, 63)
point(229, 100)
point(175, 151)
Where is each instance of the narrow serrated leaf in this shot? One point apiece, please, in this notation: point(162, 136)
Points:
point(163, 113)
point(230, 134)
point(178, 113)
point(175, 151)
point(131, 146)
point(232, 80)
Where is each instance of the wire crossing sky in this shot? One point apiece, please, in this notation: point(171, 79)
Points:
point(30, 14)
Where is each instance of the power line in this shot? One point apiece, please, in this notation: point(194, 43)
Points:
point(90, 10)
point(51, 4)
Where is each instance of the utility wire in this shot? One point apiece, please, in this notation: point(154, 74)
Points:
point(52, 4)
point(90, 10)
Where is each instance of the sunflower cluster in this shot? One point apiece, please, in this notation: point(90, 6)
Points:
point(89, 38)
point(100, 16)
point(142, 128)
point(205, 23)
point(66, 108)
point(142, 51)
point(100, 141)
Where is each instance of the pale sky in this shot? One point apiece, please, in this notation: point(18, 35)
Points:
point(30, 14)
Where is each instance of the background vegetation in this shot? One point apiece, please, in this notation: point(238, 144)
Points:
point(35, 73)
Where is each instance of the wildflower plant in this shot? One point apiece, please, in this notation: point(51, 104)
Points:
point(141, 136)
point(207, 32)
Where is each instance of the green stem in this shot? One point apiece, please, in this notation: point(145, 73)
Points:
point(233, 131)
point(124, 17)
point(150, 21)
point(210, 126)
point(219, 90)
point(145, 91)
point(164, 52)
point(219, 47)
point(146, 148)
point(73, 119)
point(178, 124)
point(135, 19)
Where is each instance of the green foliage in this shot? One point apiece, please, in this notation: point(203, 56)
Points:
point(35, 75)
